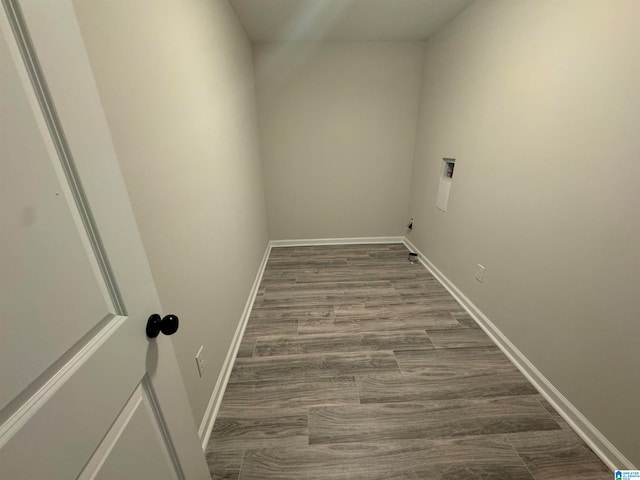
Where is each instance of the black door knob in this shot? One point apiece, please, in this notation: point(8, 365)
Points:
point(167, 325)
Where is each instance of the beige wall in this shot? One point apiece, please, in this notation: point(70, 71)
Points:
point(337, 124)
point(177, 87)
point(538, 101)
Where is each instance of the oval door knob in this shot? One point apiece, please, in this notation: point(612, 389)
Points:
point(167, 325)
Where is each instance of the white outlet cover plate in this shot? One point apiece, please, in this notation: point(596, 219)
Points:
point(480, 273)
point(201, 362)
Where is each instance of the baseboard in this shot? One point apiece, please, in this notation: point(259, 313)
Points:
point(209, 418)
point(601, 446)
point(335, 241)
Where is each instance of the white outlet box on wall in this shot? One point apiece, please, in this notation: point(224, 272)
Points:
point(442, 201)
point(201, 361)
point(480, 273)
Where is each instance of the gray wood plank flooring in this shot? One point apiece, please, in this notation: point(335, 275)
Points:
point(356, 364)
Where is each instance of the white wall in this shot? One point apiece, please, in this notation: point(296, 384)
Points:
point(177, 87)
point(337, 124)
point(538, 100)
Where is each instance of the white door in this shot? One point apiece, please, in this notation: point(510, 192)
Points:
point(83, 392)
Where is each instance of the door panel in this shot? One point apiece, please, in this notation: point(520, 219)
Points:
point(136, 426)
point(82, 390)
point(43, 253)
point(54, 434)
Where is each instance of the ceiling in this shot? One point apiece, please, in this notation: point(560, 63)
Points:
point(344, 20)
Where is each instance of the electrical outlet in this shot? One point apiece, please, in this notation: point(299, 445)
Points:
point(480, 273)
point(201, 361)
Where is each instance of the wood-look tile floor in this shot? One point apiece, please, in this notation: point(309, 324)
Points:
point(356, 364)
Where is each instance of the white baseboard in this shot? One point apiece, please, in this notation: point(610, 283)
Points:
point(601, 446)
point(335, 241)
point(209, 418)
